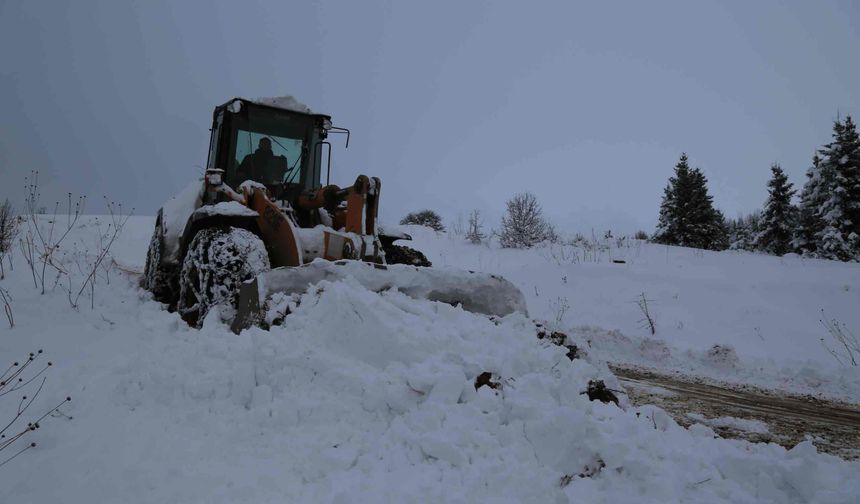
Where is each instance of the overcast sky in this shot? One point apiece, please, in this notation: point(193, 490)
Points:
point(454, 105)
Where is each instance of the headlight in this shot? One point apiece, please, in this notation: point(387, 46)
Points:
point(214, 177)
point(326, 124)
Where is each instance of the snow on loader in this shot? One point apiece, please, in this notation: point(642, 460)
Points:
point(261, 223)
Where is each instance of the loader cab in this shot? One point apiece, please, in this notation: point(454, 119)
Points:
point(275, 146)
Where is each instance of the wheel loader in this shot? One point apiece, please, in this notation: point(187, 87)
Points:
point(261, 222)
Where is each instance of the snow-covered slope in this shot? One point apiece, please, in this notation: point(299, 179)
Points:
point(359, 397)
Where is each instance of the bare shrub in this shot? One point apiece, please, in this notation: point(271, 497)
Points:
point(14, 407)
point(559, 308)
point(427, 218)
point(579, 249)
point(648, 320)
point(8, 232)
point(596, 249)
point(6, 298)
point(562, 254)
point(551, 235)
point(475, 233)
point(640, 235)
point(457, 227)
point(524, 226)
point(845, 346)
point(92, 264)
point(43, 239)
point(76, 268)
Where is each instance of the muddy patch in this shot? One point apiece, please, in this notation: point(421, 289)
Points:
point(756, 415)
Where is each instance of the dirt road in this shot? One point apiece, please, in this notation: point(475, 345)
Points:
point(834, 427)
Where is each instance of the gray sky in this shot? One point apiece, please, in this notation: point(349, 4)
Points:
point(454, 105)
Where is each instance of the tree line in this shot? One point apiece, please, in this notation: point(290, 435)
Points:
point(824, 224)
point(523, 224)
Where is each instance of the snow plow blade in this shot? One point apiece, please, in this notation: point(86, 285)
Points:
point(476, 292)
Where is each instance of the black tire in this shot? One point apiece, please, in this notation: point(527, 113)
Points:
point(398, 254)
point(158, 278)
point(217, 262)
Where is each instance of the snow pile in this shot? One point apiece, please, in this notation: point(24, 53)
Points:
point(227, 208)
point(724, 422)
point(251, 184)
point(476, 292)
point(358, 397)
point(287, 102)
point(799, 377)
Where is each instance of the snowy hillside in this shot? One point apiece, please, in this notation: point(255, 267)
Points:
point(361, 397)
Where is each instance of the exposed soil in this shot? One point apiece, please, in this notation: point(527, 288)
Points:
point(834, 427)
point(399, 254)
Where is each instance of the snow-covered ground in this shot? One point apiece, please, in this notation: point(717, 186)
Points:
point(763, 311)
point(361, 397)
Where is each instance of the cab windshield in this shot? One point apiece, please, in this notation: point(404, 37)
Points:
point(268, 159)
point(269, 146)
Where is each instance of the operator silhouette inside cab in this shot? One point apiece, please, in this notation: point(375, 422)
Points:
point(263, 165)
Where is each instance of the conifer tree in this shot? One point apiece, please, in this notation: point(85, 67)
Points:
point(717, 237)
point(743, 230)
point(808, 223)
point(737, 235)
point(687, 216)
point(834, 198)
point(778, 218)
point(665, 232)
point(851, 168)
point(671, 225)
point(708, 225)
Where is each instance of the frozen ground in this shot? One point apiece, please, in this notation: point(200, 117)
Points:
point(746, 412)
point(362, 397)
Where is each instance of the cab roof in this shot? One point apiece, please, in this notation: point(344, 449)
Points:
point(288, 103)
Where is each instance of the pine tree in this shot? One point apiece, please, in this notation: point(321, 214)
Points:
point(839, 211)
point(718, 234)
point(687, 216)
point(671, 225)
point(852, 173)
point(808, 223)
point(737, 234)
point(708, 224)
point(665, 232)
point(743, 230)
point(779, 216)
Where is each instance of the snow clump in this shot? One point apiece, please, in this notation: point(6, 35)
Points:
point(287, 102)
